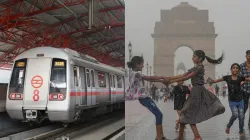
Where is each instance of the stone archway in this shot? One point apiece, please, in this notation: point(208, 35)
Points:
point(183, 25)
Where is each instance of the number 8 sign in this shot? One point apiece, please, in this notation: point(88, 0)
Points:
point(36, 95)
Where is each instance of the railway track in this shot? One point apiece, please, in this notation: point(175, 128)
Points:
point(100, 127)
point(31, 132)
point(93, 129)
point(9, 126)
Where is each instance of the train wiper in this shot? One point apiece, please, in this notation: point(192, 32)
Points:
point(18, 84)
point(54, 86)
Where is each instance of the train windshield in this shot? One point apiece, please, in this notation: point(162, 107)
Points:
point(18, 74)
point(58, 74)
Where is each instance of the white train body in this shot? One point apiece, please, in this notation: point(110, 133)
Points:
point(58, 83)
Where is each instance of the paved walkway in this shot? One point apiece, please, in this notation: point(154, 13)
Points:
point(139, 123)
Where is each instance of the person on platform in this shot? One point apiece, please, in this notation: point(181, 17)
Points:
point(157, 95)
point(180, 91)
point(138, 91)
point(235, 96)
point(217, 90)
point(201, 104)
point(153, 91)
point(245, 72)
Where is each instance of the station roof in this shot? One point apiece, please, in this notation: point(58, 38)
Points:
point(25, 24)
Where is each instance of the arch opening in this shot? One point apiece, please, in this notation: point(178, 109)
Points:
point(183, 61)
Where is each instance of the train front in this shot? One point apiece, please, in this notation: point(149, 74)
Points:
point(35, 82)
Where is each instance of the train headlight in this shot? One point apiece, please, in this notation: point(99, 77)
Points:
point(12, 96)
point(55, 96)
point(16, 96)
point(60, 96)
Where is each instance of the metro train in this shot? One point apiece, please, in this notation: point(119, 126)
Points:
point(60, 84)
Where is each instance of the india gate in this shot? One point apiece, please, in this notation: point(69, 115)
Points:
point(183, 25)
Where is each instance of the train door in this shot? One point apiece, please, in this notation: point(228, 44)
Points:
point(88, 82)
point(77, 86)
point(120, 88)
point(90, 78)
point(83, 86)
point(93, 87)
point(112, 88)
point(36, 89)
point(103, 87)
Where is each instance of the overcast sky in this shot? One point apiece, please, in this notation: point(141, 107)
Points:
point(231, 19)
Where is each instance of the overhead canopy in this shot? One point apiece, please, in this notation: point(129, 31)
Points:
point(96, 29)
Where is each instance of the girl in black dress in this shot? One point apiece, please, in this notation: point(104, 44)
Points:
point(201, 105)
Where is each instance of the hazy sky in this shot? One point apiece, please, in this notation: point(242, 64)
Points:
point(231, 19)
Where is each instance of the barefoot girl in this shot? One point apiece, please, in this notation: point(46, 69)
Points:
point(235, 96)
point(137, 90)
point(201, 105)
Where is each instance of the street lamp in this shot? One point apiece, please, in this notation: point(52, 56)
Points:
point(150, 70)
point(147, 73)
point(130, 50)
point(150, 83)
point(130, 56)
point(142, 68)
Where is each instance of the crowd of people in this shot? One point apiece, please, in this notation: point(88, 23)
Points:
point(202, 103)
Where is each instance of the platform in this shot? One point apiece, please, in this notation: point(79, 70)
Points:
point(140, 125)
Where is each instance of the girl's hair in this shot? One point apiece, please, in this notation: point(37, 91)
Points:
point(236, 65)
point(201, 54)
point(135, 60)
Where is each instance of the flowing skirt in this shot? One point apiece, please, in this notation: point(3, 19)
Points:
point(200, 106)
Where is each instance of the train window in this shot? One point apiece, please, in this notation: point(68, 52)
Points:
point(93, 78)
point(82, 76)
point(101, 79)
point(88, 78)
point(113, 81)
point(119, 82)
point(17, 77)
point(75, 76)
point(58, 74)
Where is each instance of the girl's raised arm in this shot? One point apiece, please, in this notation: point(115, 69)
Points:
point(177, 76)
point(150, 78)
point(183, 78)
point(217, 80)
point(160, 80)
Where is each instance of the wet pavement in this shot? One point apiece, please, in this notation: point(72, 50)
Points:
point(140, 125)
